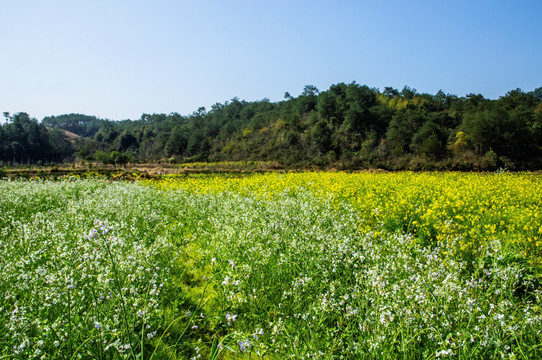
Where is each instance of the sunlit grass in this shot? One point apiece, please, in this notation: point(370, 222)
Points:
point(318, 265)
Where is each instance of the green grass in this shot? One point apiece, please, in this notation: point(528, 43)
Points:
point(94, 269)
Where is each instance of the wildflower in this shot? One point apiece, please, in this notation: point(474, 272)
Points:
point(230, 318)
point(257, 332)
point(244, 345)
point(92, 234)
point(447, 352)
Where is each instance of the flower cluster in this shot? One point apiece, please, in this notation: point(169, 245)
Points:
point(274, 265)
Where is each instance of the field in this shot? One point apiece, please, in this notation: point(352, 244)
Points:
point(274, 266)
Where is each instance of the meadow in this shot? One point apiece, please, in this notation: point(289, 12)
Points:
point(274, 265)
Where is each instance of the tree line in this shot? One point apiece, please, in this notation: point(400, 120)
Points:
point(348, 126)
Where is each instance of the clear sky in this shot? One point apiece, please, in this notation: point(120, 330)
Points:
point(117, 59)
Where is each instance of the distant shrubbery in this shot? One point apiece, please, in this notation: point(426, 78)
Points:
point(348, 126)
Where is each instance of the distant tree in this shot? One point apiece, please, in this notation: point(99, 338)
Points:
point(536, 126)
point(326, 106)
point(351, 123)
point(479, 127)
point(307, 100)
point(62, 147)
point(408, 92)
point(25, 140)
point(321, 136)
point(475, 100)
point(310, 90)
point(82, 125)
point(85, 148)
point(102, 157)
point(390, 92)
point(502, 131)
point(517, 98)
point(119, 158)
point(360, 101)
point(429, 141)
point(177, 142)
point(401, 130)
point(196, 143)
point(127, 141)
point(459, 143)
point(2, 144)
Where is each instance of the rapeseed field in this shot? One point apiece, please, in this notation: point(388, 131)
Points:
point(273, 266)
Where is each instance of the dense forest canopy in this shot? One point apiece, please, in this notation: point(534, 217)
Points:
point(348, 126)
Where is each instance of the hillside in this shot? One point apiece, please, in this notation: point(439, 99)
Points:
point(348, 126)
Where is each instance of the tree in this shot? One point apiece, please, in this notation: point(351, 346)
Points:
point(61, 145)
point(321, 136)
point(479, 127)
point(350, 122)
point(102, 157)
point(196, 143)
point(308, 99)
point(460, 143)
point(429, 141)
point(360, 101)
point(408, 92)
point(119, 158)
point(502, 131)
point(26, 139)
point(401, 130)
point(177, 142)
point(326, 106)
point(390, 92)
point(127, 141)
point(82, 125)
point(310, 90)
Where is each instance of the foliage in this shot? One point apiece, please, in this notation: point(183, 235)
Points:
point(331, 128)
point(24, 140)
point(318, 265)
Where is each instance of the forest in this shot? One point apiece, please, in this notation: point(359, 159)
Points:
point(348, 126)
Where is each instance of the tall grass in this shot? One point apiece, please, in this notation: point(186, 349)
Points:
point(190, 273)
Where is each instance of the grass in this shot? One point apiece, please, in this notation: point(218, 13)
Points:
point(271, 266)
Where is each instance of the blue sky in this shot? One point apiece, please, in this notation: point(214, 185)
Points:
point(118, 59)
